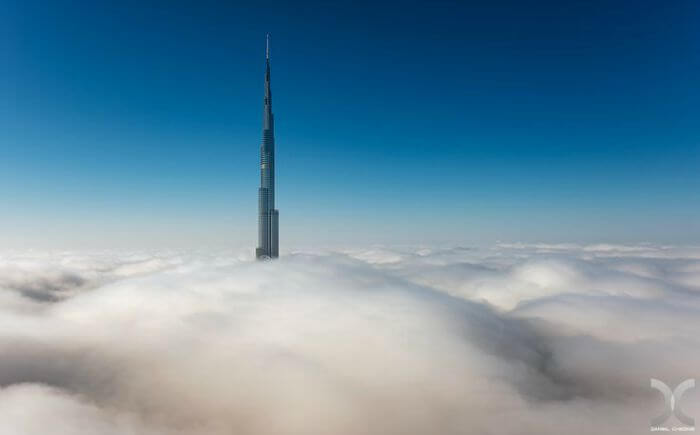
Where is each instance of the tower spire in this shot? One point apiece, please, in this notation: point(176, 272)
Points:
point(267, 46)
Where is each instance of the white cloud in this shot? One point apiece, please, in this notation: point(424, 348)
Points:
point(510, 339)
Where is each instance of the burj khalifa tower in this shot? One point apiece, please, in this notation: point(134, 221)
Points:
point(268, 216)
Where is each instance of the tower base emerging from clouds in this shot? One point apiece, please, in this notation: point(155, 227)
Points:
point(268, 235)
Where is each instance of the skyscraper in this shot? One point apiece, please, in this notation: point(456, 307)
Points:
point(268, 216)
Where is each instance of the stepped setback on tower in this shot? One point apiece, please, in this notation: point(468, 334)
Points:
point(268, 216)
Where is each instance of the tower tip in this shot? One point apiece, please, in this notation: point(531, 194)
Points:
point(267, 46)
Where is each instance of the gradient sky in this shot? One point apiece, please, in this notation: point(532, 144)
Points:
point(138, 123)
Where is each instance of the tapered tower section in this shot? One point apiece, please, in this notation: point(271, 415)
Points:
point(268, 216)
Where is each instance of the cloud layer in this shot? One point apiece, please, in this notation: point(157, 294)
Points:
point(544, 339)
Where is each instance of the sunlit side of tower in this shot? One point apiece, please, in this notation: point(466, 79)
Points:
point(268, 216)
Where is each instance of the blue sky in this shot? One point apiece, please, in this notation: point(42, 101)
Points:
point(138, 123)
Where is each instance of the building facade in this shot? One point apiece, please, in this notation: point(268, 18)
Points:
point(268, 215)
